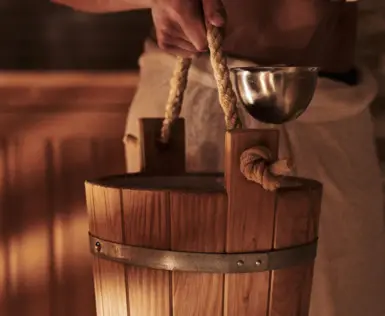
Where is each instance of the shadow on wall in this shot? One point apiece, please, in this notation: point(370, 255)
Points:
point(45, 263)
point(46, 276)
point(49, 144)
point(40, 35)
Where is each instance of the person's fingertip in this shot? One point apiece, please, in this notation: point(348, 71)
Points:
point(201, 47)
point(217, 20)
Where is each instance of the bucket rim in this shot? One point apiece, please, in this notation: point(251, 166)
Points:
point(217, 185)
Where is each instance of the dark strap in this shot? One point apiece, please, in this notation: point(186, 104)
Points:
point(351, 77)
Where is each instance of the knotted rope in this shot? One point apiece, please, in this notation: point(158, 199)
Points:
point(256, 164)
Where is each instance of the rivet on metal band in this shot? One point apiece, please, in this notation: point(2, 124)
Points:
point(203, 262)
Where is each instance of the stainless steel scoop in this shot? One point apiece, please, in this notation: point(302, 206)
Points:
point(275, 95)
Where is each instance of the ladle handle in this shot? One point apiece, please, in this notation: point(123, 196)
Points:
point(178, 83)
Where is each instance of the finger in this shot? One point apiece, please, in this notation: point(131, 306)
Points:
point(214, 12)
point(174, 30)
point(177, 51)
point(165, 27)
point(196, 33)
point(168, 40)
point(169, 34)
point(192, 23)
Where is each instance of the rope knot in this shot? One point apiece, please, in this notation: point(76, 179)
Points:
point(258, 166)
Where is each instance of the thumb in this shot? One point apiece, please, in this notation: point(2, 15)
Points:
point(214, 12)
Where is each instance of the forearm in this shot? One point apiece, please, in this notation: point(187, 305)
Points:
point(105, 6)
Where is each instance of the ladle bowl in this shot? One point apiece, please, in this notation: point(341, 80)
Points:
point(275, 95)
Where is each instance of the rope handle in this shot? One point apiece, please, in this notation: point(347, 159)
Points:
point(178, 84)
point(255, 163)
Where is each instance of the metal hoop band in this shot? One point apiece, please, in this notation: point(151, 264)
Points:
point(203, 262)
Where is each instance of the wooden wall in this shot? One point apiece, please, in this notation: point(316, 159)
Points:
point(36, 34)
point(55, 132)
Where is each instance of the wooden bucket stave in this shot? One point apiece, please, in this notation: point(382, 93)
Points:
point(195, 214)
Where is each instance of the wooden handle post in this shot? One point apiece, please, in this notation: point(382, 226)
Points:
point(250, 222)
point(159, 159)
point(261, 220)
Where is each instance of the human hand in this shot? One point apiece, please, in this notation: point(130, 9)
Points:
point(180, 24)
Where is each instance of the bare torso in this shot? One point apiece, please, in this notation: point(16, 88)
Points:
point(292, 32)
point(257, 31)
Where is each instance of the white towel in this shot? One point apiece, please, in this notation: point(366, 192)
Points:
point(332, 142)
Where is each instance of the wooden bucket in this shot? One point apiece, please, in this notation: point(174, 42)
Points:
point(193, 244)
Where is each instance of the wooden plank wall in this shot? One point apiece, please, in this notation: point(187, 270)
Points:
point(36, 34)
point(55, 132)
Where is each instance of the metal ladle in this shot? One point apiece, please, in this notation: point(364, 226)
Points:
point(275, 95)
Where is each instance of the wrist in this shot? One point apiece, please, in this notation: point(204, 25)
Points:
point(136, 4)
point(148, 4)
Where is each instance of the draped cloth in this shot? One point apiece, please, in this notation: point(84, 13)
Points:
point(332, 142)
